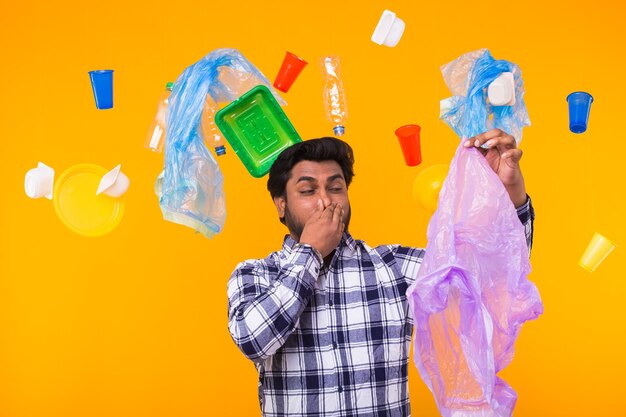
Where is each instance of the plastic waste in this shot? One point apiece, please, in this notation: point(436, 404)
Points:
point(78, 206)
point(409, 138)
point(102, 87)
point(289, 70)
point(471, 294)
point(427, 186)
point(191, 186)
point(501, 91)
point(155, 139)
point(389, 29)
point(257, 129)
point(334, 94)
point(468, 111)
point(210, 132)
point(39, 182)
point(237, 77)
point(579, 104)
point(597, 250)
point(114, 183)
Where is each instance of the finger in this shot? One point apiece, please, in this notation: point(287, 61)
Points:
point(329, 211)
point(319, 208)
point(341, 217)
point(513, 154)
point(479, 139)
point(338, 214)
point(343, 224)
point(502, 143)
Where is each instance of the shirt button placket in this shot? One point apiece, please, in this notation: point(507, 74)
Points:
point(330, 313)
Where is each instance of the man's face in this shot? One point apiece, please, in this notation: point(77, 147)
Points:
point(312, 181)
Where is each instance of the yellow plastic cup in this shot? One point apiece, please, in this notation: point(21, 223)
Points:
point(597, 250)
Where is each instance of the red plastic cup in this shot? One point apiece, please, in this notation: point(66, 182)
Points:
point(409, 137)
point(289, 71)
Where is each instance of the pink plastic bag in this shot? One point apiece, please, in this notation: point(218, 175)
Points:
point(471, 294)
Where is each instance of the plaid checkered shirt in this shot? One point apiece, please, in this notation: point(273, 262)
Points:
point(330, 340)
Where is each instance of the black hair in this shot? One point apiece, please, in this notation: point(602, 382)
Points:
point(318, 150)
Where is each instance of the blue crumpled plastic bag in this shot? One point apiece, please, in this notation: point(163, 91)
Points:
point(468, 112)
point(191, 186)
point(471, 294)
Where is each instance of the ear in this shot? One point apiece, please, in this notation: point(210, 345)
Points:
point(280, 202)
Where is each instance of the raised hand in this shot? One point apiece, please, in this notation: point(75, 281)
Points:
point(324, 228)
point(503, 155)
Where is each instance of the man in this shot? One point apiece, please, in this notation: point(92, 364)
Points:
point(325, 319)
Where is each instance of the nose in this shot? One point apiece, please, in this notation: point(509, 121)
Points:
point(325, 198)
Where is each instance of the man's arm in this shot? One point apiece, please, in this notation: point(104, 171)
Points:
point(503, 155)
point(265, 301)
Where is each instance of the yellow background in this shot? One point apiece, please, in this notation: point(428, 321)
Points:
point(135, 323)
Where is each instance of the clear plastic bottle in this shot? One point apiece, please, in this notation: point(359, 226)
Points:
point(156, 134)
point(334, 94)
point(210, 132)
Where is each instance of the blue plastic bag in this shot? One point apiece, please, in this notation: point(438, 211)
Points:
point(191, 186)
point(468, 111)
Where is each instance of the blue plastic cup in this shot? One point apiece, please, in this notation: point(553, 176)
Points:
point(579, 107)
point(102, 85)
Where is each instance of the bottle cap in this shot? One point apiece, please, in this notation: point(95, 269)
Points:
point(339, 130)
point(220, 150)
point(169, 86)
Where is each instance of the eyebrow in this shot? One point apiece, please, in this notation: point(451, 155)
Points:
point(311, 179)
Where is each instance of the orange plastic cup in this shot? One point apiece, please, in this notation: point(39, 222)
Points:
point(289, 71)
point(409, 137)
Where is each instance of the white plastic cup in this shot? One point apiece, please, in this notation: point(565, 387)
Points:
point(39, 181)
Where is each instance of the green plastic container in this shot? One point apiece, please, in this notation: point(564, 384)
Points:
point(257, 129)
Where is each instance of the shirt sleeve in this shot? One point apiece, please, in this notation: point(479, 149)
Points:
point(526, 215)
point(265, 301)
point(409, 260)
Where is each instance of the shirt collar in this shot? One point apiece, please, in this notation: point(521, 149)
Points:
point(347, 243)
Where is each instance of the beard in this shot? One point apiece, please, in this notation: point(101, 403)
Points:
point(296, 227)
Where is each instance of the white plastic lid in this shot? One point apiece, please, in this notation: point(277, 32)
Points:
point(501, 91)
point(389, 29)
